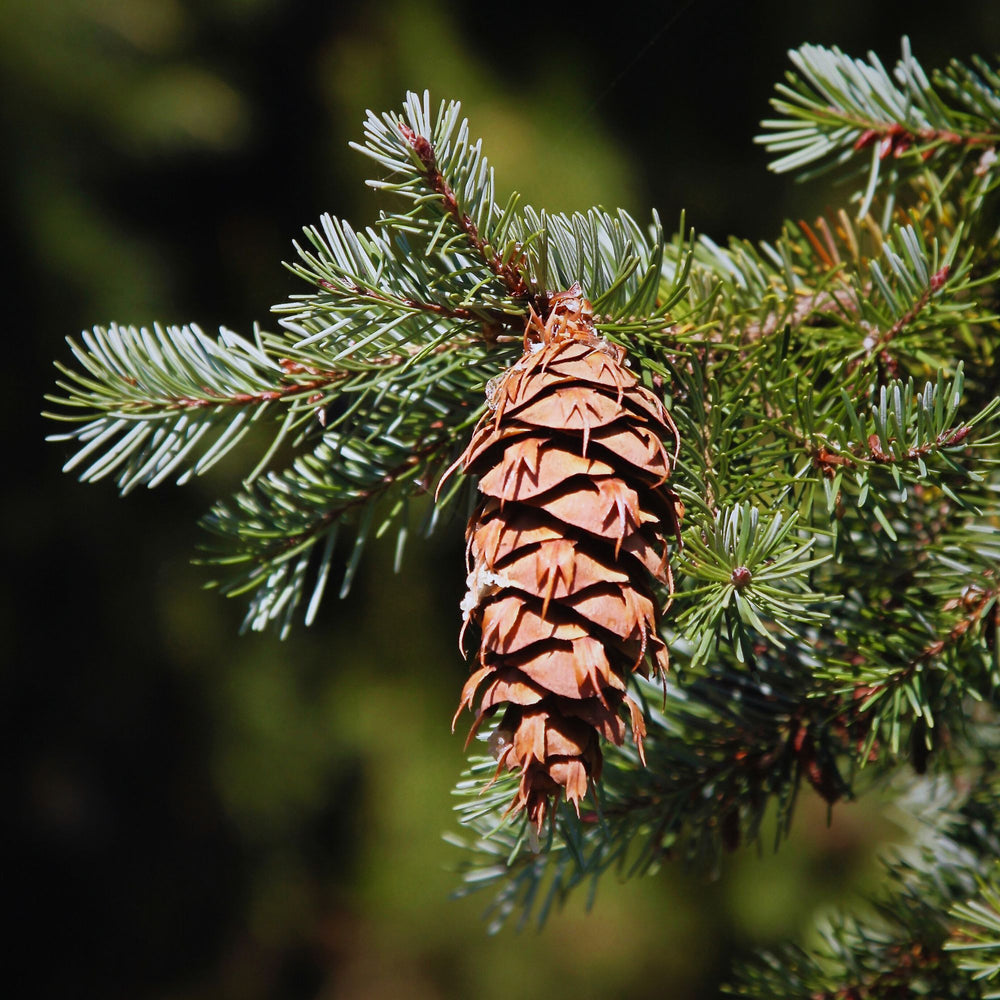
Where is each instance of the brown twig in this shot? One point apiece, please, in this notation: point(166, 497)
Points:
point(508, 271)
point(362, 497)
point(827, 461)
point(895, 139)
point(322, 379)
point(448, 312)
point(976, 601)
point(211, 399)
point(980, 604)
point(880, 342)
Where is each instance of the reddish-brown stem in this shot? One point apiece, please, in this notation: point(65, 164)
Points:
point(827, 461)
point(895, 139)
point(321, 380)
point(976, 603)
point(979, 604)
point(364, 496)
point(449, 312)
point(507, 271)
point(881, 342)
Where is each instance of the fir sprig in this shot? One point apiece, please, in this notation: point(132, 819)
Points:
point(369, 461)
point(834, 391)
point(819, 378)
point(754, 577)
point(904, 944)
point(150, 403)
point(976, 939)
point(837, 107)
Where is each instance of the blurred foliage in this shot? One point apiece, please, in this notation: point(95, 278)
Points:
point(194, 816)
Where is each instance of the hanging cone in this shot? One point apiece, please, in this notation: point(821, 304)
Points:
point(564, 551)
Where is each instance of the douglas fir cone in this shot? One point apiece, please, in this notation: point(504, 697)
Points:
point(563, 552)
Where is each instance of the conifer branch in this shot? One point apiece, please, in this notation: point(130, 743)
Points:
point(822, 406)
point(857, 309)
point(151, 403)
point(506, 270)
point(837, 108)
point(975, 941)
point(906, 945)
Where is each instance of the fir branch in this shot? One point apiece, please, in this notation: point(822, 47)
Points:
point(172, 400)
point(934, 620)
point(976, 939)
point(902, 432)
point(900, 948)
point(451, 185)
point(889, 284)
point(392, 441)
point(754, 578)
point(271, 531)
point(722, 751)
point(505, 269)
point(380, 295)
point(836, 107)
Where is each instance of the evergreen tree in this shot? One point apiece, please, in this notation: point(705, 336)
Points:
point(776, 462)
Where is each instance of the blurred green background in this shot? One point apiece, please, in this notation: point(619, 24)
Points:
point(190, 814)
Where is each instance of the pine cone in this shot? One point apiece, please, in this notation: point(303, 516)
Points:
point(562, 553)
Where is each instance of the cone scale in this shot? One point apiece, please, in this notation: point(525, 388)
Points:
point(564, 554)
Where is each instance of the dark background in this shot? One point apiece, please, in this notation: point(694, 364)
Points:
point(190, 814)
